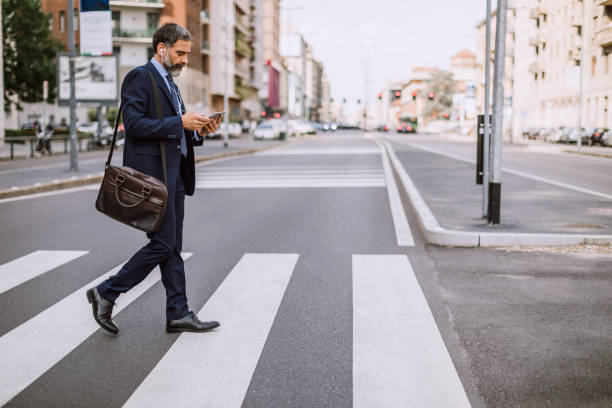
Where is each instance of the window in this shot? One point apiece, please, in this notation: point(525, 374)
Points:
point(152, 22)
point(62, 21)
point(117, 52)
point(75, 20)
point(149, 53)
point(51, 22)
point(116, 16)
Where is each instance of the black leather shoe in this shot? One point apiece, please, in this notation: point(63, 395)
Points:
point(102, 310)
point(190, 323)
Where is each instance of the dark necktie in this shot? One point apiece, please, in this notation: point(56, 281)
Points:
point(177, 106)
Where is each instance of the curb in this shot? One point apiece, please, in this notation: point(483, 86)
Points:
point(97, 178)
point(437, 235)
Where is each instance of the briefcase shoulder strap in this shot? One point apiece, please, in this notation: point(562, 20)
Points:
point(158, 111)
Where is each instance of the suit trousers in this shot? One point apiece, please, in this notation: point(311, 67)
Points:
point(164, 249)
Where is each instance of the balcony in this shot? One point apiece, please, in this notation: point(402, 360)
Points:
point(146, 4)
point(536, 12)
point(242, 91)
point(135, 36)
point(575, 53)
point(242, 71)
point(242, 48)
point(603, 37)
point(204, 16)
point(535, 68)
point(243, 26)
point(536, 40)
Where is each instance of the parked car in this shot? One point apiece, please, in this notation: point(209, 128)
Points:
point(606, 138)
point(267, 130)
point(597, 134)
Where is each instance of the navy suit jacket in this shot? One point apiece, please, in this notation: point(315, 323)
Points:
point(143, 130)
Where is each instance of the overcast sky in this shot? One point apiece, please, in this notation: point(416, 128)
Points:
point(399, 34)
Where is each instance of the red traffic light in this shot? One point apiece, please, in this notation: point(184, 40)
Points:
point(446, 115)
point(277, 115)
point(263, 114)
point(431, 95)
point(414, 93)
point(380, 96)
point(398, 93)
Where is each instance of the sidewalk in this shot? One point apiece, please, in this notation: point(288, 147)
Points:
point(448, 204)
point(33, 175)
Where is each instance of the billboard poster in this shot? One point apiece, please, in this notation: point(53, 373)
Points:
point(96, 28)
point(96, 79)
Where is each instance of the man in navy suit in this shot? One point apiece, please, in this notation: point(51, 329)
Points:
point(180, 131)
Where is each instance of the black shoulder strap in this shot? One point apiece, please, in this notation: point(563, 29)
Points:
point(159, 116)
point(158, 109)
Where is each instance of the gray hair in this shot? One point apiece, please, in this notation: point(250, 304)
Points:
point(170, 33)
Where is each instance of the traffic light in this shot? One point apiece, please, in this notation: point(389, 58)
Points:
point(380, 96)
point(414, 95)
point(396, 94)
point(431, 95)
point(263, 114)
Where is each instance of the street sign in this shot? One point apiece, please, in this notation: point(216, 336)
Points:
point(96, 28)
point(96, 79)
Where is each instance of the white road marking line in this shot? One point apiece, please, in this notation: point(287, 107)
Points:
point(509, 170)
point(38, 344)
point(313, 151)
point(402, 229)
point(27, 267)
point(214, 369)
point(95, 186)
point(292, 184)
point(399, 357)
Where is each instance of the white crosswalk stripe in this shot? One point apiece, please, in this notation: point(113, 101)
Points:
point(290, 176)
point(289, 151)
point(215, 370)
point(401, 361)
point(29, 350)
point(399, 357)
point(27, 267)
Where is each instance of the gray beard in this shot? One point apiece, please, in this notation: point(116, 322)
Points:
point(174, 71)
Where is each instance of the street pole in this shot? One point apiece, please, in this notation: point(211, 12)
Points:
point(1, 83)
point(493, 214)
point(487, 124)
point(581, 90)
point(227, 73)
point(74, 166)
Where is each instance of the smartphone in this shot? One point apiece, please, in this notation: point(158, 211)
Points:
point(215, 115)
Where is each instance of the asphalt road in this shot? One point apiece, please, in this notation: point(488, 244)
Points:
point(295, 251)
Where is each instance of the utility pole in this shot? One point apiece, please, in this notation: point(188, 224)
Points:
point(1, 83)
point(487, 124)
point(581, 89)
point(74, 166)
point(493, 214)
point(227, 73)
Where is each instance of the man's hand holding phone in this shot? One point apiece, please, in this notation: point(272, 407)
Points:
point(212, 125)
point(195, 121)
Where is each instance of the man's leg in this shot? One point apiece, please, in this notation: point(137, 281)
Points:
point(172, 269)
point(156, 252)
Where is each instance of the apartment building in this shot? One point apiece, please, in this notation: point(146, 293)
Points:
point(274, 71)
point(519, 55)
point(597, 73)
point(233, 47)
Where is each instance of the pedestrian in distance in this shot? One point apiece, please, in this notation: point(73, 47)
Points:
point(180, 131)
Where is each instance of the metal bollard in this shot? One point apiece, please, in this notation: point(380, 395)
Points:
point(12, 150)
point(65, 145)
point(31, 148)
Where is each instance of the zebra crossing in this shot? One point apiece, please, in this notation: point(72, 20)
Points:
point(290, 176)
point(400, 361)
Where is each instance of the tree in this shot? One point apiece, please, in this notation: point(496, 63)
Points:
point(441, 86)
point(29, 52)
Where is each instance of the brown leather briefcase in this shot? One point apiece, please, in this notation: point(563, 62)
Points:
point(133, 198)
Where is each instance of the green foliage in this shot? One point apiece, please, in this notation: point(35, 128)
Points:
point(111, 115)
point(442, 84)
point(29, 52)
point(92, 115)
